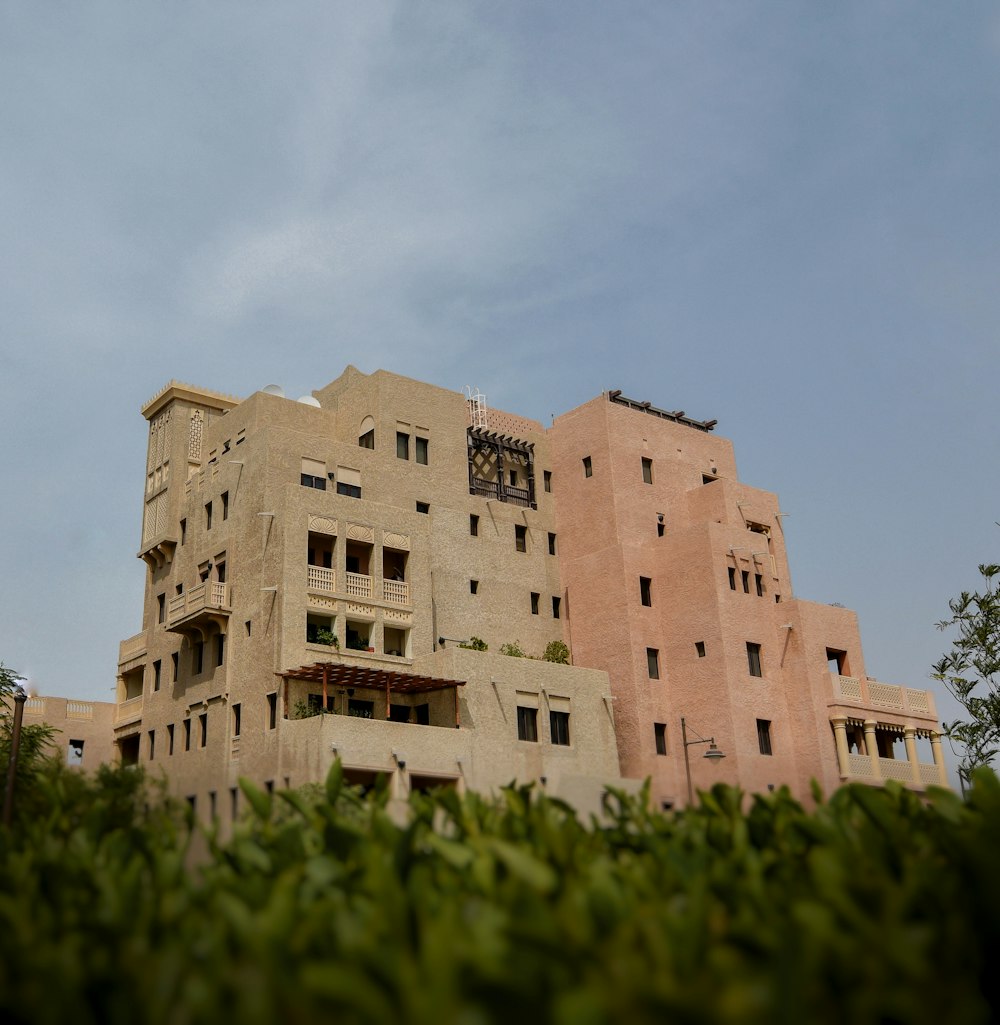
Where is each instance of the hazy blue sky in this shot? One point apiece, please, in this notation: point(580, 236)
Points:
point(780, 215)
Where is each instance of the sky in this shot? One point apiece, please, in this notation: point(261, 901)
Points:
point(783, 216)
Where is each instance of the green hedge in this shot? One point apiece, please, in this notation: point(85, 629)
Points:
point(877, 907)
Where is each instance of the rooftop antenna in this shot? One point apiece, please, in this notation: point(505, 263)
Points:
point(477, 407)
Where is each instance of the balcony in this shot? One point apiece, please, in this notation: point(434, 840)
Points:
point(396, 591)
point(131, 648)
point(128, 711)
point(879, 696)
point(322, 579)
point(357, 585)
point(205, 603)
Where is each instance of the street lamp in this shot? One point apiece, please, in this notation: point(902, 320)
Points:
point(713, 752)
point(20, 697)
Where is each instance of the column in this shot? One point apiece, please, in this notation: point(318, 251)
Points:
point(910, 742)
point(843, 755)
point(939, 758)
point(871, 746)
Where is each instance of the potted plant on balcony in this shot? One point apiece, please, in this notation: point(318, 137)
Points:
point(328, 637)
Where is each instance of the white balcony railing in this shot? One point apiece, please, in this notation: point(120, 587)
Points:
point(358, 585)
point(322, 579)
point(396, 591)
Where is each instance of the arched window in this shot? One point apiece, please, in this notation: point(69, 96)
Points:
point(366, 438)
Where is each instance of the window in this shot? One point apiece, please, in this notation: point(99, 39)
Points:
point(208, 515)
point(225, 505)
point(513, 478)
point(161, 608)
point(556, 606)
point(552, 543)
point(152, 744)
point(220, 649)
point(198, 657)
point(520, 537)
point(74, 752)
point(534, 602)
point(660, 736)
point(423, 714)
point(699, 647)
point(236, 719)
point(647, 471)
point(234, 801)
point(764, 736)
point(547, 480)
point(272, 711)
point(753, 658)
point(706, 479)
point(269, 785)
point(745, 577)
point(837, 662)
point(211, 804)
point(361, 709)
point(474, 587)
point(759, 581)
point(367, 436)
point(660, 525)
point(402, 445)
point(474, 525)
point(157, 667)
point(732, 579)
point(187, 734)
point(653, 663)
point(559, 727)
point(175, 665)
point(423, 507)
point(170, 739)
point(588, 467)
point(777, 599)
point(645, 591)
point(313, 474)
point(420, 451)
point(348, 482)
point(247, 625)
point(527, 723)
point(203, 728)
point(184, 530)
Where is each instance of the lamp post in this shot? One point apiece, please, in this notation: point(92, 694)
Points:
point(20, 697)
point(713, 752)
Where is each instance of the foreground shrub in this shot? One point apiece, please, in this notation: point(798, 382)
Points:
point(874, 908)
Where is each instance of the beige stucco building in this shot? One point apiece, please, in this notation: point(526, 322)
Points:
point(313, 566)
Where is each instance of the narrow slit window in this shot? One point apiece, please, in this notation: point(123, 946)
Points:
point(764, 736)
point(474, 525)
point(647, 471)
point(421, 451)
point(660, 737)
point(753, 659)
point(520, 537)
point(646, 591)
point(588, 467)
point(534, 602)
point(653, 663)
point(556, 606)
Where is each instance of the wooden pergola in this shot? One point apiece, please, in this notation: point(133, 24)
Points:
point(360, 677)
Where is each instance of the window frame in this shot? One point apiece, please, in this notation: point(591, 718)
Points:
point(527, 724)
point(647, 470)
point(755, 662)
point(764, 740)
point(653, 663)
point(559, 733)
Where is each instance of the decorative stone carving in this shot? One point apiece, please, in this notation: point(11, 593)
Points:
point(196, 431)
point(390, 539)
point(357, 532)
point(323, 524)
